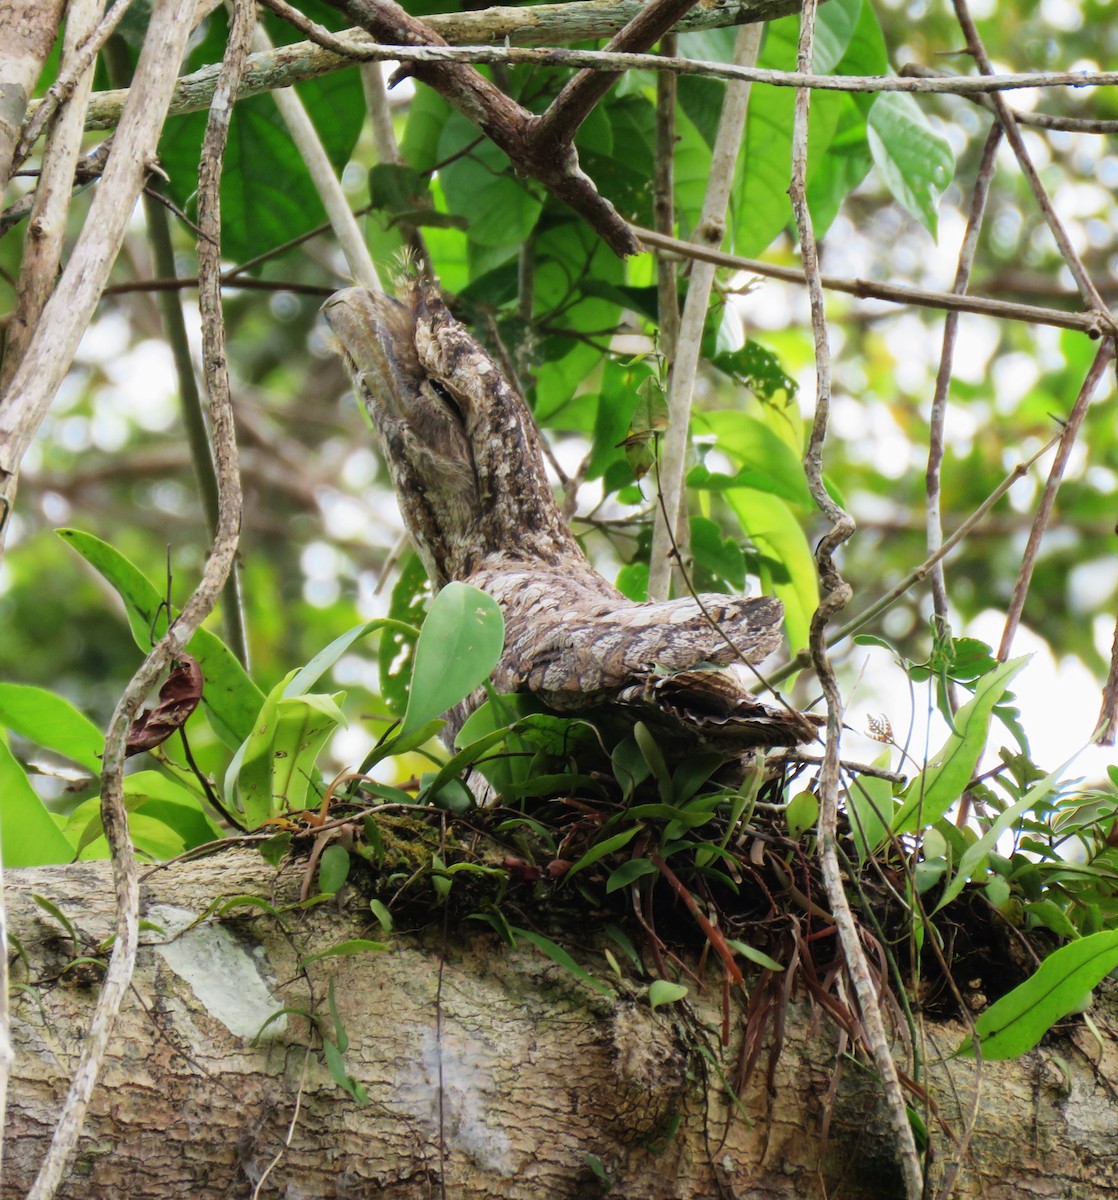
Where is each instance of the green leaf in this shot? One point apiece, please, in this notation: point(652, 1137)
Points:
point(459, 644)
point(396, 651)
point(1062, 984)
point(28, 835)
point(153, 795)
point(787, 566)
point(230, 697)
point(303, 725)
point(915, 161)
point(754, 955)
point(346, 949)
point(48, 720)
point(558, 955)
point(767, 463)
point(603, 848)
point(979, 850)
point(945, 778)
point(630, 872)
point(663, 991)
point(333, 870)
point(801, 814)
point(304, 679)
point(382, 914)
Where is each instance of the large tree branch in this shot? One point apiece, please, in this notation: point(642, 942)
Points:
point(534, 1070)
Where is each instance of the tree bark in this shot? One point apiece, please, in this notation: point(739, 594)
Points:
point(490, 1073)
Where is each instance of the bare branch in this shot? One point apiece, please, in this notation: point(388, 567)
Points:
point(938, 415)
point(1089, 292)
point(836, 594)
point(711, 229)
point(1044, 510)
point(578, 97)
point(30, 29)
point(304, 60)
point(1036, 120)
point(865, 289)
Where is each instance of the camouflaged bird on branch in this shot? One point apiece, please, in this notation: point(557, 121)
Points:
point(466, 463)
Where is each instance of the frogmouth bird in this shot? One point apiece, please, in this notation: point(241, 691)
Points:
point(466, 464)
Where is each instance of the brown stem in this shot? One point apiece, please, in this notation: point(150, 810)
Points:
point(507, 124)
point(1086, 285)
point(557, 127)
point(1044, 510)
point(938, 415)
point(1089, 323)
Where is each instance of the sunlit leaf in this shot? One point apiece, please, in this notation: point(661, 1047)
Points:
point(945, 778)
point(50, 720)
point(28, 835)
point(1062, 984)
point(458, 646)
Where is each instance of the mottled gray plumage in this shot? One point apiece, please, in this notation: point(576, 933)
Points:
point(466, 464)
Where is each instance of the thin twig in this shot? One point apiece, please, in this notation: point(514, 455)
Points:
point(1044, 510)
point(1036, 120)
point(1088, 323)
point(663, 204)
point(321, 170)
point(278, 1157)
point(68, 79)
point(51, 199)
point(1106, 728)
point(1085, 283)
point(920, 573)
point(938, 416)
point(580, 95)
point(836, 594)
point(710, 231)
point(295, 63)
point(165, 18)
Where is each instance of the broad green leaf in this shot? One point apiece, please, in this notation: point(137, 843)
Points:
point(248, 780)
point(153, 795)
point(945, 778)
point(459, 644)
point(333, 869)
point(305, 722)
point(761, 205)
point(870, 805)
point(801, 814)
point(978, 851)
point(48, 720)
point(267, 197)
point(560, 956)
point(308, 676)
point(1062, 984)
point(28, 835)
point(915, 161)
point(663, 991)
point(766, 462)
point(787, 566)
point(230, 697)
point(396, 650)
point(480, 186)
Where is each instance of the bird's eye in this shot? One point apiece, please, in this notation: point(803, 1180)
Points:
point(447, 397)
